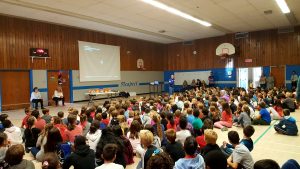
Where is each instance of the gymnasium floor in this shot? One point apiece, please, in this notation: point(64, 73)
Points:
point(268, 144)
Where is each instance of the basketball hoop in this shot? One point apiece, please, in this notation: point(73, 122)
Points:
point(224, 56)
point(225, 50)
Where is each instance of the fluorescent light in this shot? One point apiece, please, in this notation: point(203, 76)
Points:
point(176, 12)
point(283, 6)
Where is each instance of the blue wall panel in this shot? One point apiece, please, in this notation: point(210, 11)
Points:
point(222, 77)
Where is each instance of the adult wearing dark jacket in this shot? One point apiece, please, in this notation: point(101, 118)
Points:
point(82, 158)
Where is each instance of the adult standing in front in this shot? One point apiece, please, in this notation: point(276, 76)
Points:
point(298, 92)
point(171, 85)
point(270, 81)
point(211, 80)
point(294, 80)
point(36, 98)
point(58, 95)
point(263, 81)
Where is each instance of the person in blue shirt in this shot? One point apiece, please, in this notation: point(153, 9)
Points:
point(171, 85)
point(287, 124)
point(264, 117)
point(191, 159)
point(211, 80)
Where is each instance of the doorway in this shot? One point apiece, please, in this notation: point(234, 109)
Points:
point(278, 73)
point(58, 78)
point(249, 76)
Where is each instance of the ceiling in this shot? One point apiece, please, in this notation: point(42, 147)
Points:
point(136, 19)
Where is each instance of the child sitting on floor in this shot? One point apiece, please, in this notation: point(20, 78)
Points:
point(287, 125)
point(226, 120)
point(109, 156)
point(264, 117)
point(247, 141)
point(4, 144)
point(244, 118)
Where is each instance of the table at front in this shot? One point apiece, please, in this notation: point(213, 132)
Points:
point(155, 89)
point(92, 96)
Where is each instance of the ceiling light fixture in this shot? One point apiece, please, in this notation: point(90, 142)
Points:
point(176, 12)
point(283, 6)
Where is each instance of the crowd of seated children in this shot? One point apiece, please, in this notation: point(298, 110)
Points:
point(164, 131)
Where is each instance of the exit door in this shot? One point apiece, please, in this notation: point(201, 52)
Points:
point(278, 73)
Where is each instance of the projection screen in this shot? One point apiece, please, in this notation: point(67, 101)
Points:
point(98, 62)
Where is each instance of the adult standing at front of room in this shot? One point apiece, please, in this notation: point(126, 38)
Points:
point(263, 81)
point(211, 80)
point(36, 98)
point(294, 80)
point(171, 85)
point(270, 81)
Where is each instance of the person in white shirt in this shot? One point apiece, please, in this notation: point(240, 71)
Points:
point(109, 156)
point(36, 98)
point(183, 133)
point(58, 95)
point(14, 134)
point(94, 135)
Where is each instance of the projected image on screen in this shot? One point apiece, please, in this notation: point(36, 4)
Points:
point(98, 62)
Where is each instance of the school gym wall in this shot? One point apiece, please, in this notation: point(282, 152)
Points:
point(131, 81)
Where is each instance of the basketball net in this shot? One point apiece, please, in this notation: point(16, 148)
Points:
point(224, 56)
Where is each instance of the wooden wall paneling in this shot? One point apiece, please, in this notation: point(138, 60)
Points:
point(15, 89)
point(19, 35)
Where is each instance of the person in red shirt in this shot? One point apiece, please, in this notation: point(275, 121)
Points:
point(207, 124)
point(105, 120)
point(226, 120)
point(24, 121)
point(177, 117)
point(171, 123)
point(40, 123)
point(72, 130)
point(61, 127)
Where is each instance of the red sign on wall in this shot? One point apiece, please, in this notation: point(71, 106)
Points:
point(248, 60)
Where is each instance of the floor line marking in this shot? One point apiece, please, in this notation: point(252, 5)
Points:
point(265, 132)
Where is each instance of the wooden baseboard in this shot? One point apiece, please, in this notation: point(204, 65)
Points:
point(15, 106)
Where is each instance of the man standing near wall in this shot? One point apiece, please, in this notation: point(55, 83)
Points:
point(211, 80)
point(270, 81)
point(294, 79)
point(171, 85)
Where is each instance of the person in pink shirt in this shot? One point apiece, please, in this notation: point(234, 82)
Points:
point(73, 130)
point(226, 120)
point(130, 119)
point(40, 123)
